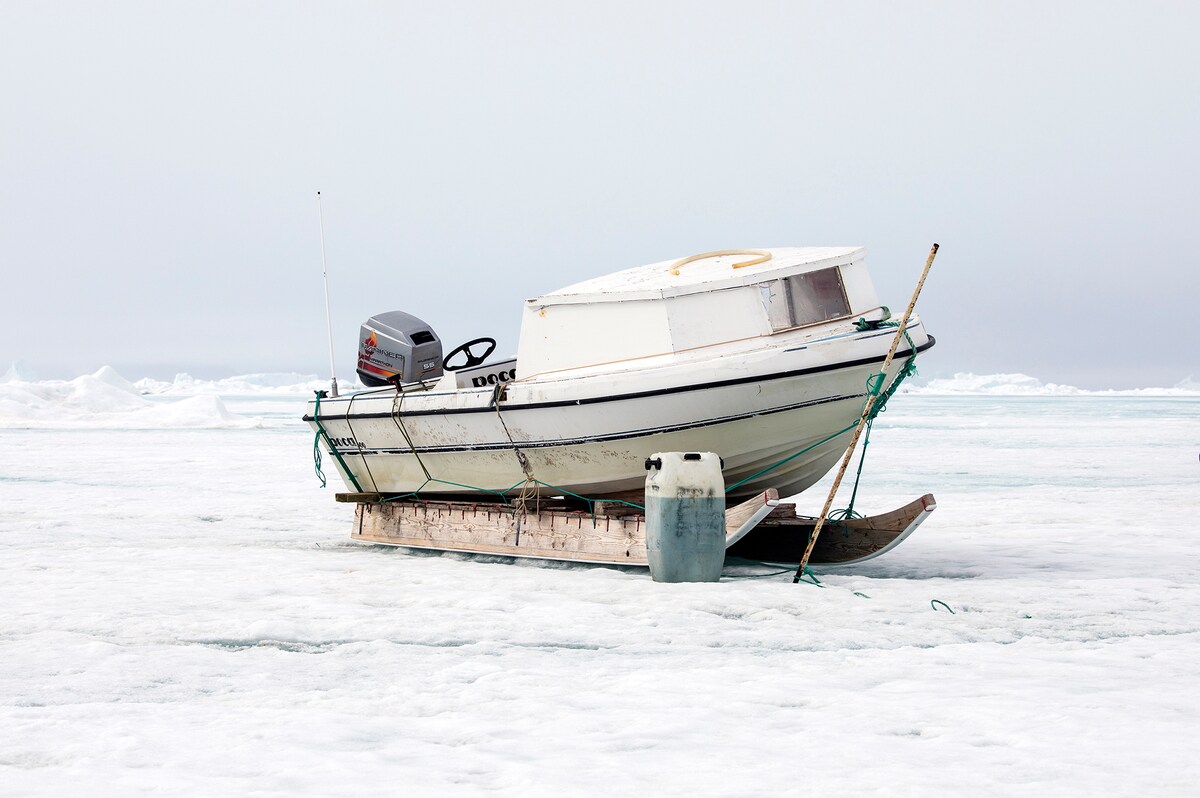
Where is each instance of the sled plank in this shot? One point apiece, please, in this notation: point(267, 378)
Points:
point(565, 534)
point(496, 529)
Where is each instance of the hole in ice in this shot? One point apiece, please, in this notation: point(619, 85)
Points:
point(906, 733)
point(292, 646)
point(908, 573)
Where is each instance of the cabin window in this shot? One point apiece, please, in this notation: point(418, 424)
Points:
point(806, 299)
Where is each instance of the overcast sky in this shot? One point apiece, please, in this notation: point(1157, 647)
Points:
point(160, 162)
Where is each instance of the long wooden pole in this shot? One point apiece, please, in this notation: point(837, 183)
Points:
point(866, 415)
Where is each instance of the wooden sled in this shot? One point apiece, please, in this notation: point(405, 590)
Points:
point(759, 529)
point(782, 536)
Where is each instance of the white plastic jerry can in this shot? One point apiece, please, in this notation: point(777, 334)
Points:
point(685, 517)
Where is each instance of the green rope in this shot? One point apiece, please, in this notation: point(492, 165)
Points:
point(813, 577)
point(757, 576)
point(317, 459)
point(771, 468)
point(591, 502)
point(936, 602)
point(907, 370)
point(874, 385)
point(321, 433)
point(502, 494)
point(862, 325)
point(849, 512)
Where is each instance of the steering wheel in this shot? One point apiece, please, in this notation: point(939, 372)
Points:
point(472, 359)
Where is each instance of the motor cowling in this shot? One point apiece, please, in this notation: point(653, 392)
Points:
point(397, 347)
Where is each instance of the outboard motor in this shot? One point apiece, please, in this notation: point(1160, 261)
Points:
point(396, 348)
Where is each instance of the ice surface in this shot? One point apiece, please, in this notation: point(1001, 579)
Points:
point(265, 384)
point(19, 371)
point(106, 400)
point(1024, 385)
point(183, 612)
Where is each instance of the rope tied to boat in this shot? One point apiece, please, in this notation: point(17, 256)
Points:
point(317, 447)
point(354, 437)
point(321, 433)
point(398, 420)
point(867, 409)
point(873, 389)
point(529, 487)
point(812, 578)
point(874, 386)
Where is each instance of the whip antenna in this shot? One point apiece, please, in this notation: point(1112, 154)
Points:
point(328, 316)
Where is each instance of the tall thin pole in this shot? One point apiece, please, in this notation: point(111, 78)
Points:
point(866, 416)
point(328, 315)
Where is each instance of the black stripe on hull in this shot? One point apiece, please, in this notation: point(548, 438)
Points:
point(616, 436)
point(509, 408)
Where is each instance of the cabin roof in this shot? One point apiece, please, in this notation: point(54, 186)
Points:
point(701, 273)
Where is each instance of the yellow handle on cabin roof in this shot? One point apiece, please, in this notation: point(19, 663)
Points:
point(761, 257)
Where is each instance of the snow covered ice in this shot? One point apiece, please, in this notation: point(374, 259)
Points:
point(183, 611)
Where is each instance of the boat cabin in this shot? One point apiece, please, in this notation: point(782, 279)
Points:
point(705, 300)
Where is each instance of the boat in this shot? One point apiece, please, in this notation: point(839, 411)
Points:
point(765, 357)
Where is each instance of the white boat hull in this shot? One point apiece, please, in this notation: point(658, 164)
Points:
point(756, 404)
